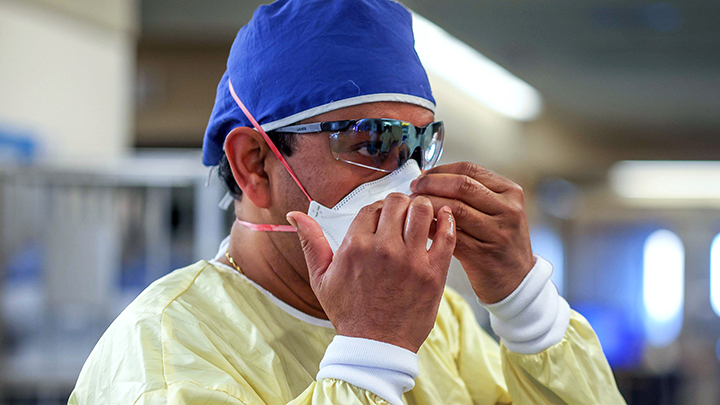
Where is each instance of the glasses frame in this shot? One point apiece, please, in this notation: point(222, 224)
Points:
point(335, 127)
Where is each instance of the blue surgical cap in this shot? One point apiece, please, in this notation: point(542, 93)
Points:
point(296, 59)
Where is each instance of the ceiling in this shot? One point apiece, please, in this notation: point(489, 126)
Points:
point(618, 61)
point(612, 68)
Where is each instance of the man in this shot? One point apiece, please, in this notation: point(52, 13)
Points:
point(326, 109)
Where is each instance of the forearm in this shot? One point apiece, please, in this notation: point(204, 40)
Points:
point(534, 317)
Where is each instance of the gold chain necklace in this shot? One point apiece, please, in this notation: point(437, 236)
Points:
point(232, 262)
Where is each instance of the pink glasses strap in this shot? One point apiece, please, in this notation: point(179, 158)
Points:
point(266, 227)
point(270, 144)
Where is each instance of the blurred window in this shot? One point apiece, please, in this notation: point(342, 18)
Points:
point(663, 286)
point(715, 274)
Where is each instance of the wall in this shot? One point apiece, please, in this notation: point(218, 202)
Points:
point(67, 75)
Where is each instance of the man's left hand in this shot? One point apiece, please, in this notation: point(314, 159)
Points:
point(493, 241)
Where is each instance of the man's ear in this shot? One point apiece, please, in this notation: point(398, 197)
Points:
point(246, 151)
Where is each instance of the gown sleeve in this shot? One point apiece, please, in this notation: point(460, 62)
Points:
point(324, 392)
point(572, 371)
point(353, 371)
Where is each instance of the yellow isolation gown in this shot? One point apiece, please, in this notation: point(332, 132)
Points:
point(207, 335)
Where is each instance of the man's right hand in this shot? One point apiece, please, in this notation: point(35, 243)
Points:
point(382, 283)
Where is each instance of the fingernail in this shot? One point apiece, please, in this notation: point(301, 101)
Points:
point(292, 221)
point(451, 220)
point(413, 184)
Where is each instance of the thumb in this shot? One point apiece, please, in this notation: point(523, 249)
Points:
point(316, 248)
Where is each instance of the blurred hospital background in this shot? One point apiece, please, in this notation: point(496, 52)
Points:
point(607, 112)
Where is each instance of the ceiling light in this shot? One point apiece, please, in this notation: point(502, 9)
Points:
point(666, 179)
point(473, 73)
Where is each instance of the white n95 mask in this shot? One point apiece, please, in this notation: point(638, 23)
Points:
point(336, 221)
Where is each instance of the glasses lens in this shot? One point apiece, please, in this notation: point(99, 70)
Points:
point(432, 144)
point(385, 144)
point(371, 143)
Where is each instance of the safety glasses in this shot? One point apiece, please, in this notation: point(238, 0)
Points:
point(379, 143)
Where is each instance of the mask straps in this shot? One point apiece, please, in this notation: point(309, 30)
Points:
point(267, 139)
point(274, 149)
point(265, 227)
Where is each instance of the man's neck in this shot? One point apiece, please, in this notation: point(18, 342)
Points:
point(274, 260)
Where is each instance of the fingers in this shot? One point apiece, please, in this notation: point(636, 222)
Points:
point(318, 253)
point(392, 218)
point(488, 178)
point(433, 229)
point(366, 221)
point(473, 222)
point(444, 239)
point(466, 246)
point(459, 187)
point(418, 222)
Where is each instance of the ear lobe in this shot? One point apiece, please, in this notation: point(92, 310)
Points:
point(246, 151)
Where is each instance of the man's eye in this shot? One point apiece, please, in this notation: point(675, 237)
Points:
point(370, 149)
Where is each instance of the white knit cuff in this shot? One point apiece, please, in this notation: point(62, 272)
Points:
point(385, 370)
point(534, 317)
